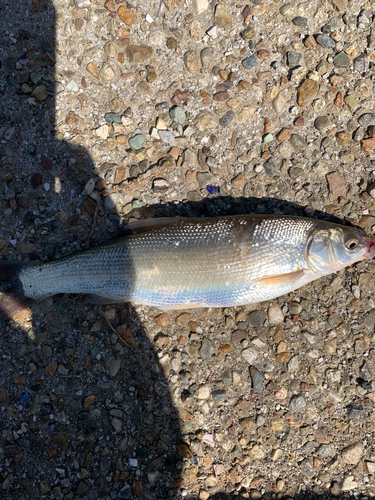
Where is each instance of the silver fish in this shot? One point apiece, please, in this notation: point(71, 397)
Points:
point(186, 263)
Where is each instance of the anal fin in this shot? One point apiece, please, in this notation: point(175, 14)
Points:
point(281, 279)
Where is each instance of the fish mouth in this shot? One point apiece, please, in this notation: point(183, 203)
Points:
point(370, 249)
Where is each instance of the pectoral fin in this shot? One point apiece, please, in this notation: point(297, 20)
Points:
point(102, 301)
point(281, 279)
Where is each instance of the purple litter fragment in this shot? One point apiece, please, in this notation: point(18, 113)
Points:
point(212, 189)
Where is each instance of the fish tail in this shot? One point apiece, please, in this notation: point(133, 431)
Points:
point(12, 295)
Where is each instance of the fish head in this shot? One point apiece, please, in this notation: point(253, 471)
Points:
point(335, 248)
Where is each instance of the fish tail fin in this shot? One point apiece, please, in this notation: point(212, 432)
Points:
point(12, 295)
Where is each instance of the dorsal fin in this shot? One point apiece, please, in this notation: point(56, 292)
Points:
point(137, 226)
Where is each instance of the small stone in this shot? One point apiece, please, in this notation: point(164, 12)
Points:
point(137, 142)
point(178, 115)
point(293, 58)
point(339, 5)
point(127, 16)
point(219, 394)
point(167, 136)
point(257, 379)
point(341, 60)
point(137, 54)
point(102, 131)
point(93, 70)
point(160, 186)
point(249, 62)
point(203, 392)
point(321, 122)
point(343, 138)
point(72, 86)
point(249, 355)
point(300, 21)
point(275, 315)
point(226, 119)
point(365, 372)
point(207, 57)
point(368, 144)
point(279, 102)
point(82, 4)
point(162, 320)
point(201, 6)
point(107, 73)
point(222, 17)
point(297, 403)
point(367, 119)
point(336, 184)
point(284, 135)
point(125, 493)
point(192, 61)
point(40, 93)
point(307, 468)
point(348, 483)
point(206, 120)
point(352, 103)
point(112, 118)
point(207, 349)
point(298, 142)
point(36, 180)
point(310, 42)
point(326, 41)
point(352, 454)
point(307, 91)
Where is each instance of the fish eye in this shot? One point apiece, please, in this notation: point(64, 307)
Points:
point(351, 243)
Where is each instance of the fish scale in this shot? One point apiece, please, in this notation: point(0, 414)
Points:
point(220, 261)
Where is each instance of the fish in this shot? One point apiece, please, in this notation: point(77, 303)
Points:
point(182, 263)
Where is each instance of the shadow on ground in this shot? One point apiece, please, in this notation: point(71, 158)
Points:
point(82, 415)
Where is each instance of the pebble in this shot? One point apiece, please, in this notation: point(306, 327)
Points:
point(348, 483)
point(307, 91)
point(160, 186)
point(300, 21)
point(250, 355)
point(293, 58)
point(206, 120)
point(40, 93)
point(137, 142)
point(127, 16)
point(352, 454)
point(249, 62)
point(222, 17)
point(102, 131)
point(207, 57)
point(298, 142)
point(203, 392)
point(112, 118)
point(326, 41)
point(275, 315)
point(321, 122)
point(219, 394)
point(192, 61)
point(178, 115)
point(227, 118)
point(257, 379)
point(297, 403)
point(72, 86)
point(201, 6)
point(166, 136)
point(207, 349)
point(82, 4)
point(279, 102)
point(367, 119)
point(351, 103)
point(341, 60)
